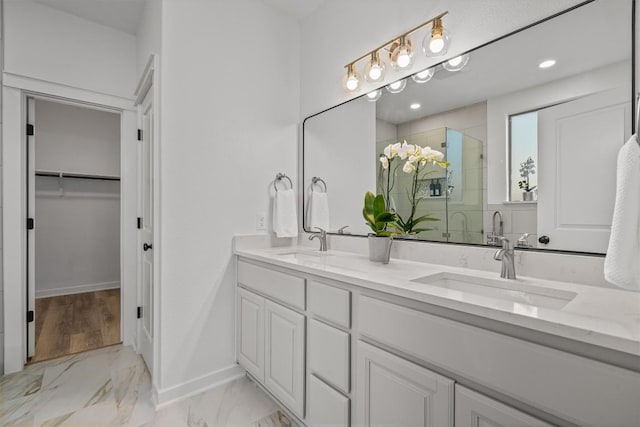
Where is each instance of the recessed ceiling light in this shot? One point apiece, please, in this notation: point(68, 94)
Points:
point(547, 63)
point(414, 106)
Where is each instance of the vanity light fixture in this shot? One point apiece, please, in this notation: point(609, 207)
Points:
point(457, 63)
point(374, 70)
point(351, 81)
point(397, 86)
point(374, 95)
point(414, 106)
point(547, 63)
point(400, 51)
point(423, 76)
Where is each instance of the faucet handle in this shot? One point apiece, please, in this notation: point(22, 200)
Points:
point(321, 230)
point(341, 229)
point(522, 241)
point(505, 242)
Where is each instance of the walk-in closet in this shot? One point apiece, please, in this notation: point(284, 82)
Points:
point(74, 210)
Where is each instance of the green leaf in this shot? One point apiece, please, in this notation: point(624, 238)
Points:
point(379, 205)
point(423, 218)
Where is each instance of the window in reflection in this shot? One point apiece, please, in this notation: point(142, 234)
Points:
point(523, 150)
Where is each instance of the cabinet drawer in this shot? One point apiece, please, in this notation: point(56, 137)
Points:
point(329, 354)
point(474, 409)
point(280, 286)
point(554, 381)
point(330, 303)
point(327, 407)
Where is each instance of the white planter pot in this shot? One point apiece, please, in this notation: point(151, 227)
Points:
point(527, 196)
point(379, 248)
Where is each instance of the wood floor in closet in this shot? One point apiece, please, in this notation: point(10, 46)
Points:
point(70, 324)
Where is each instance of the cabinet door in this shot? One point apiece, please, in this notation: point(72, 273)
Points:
point(391, 391)
point(327, 407)
point(476, 410)
point(284, 356)
point(251, 333)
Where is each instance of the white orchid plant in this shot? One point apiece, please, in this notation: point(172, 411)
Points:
point(416, 159)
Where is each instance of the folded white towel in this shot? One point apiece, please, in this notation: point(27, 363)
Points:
point(285, 218)
point(318, 211)
point(622, 264)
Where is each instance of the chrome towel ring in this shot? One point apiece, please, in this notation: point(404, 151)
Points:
point(317, 181)
point(280, 177)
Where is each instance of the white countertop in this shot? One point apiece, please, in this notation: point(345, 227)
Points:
point(604, 317)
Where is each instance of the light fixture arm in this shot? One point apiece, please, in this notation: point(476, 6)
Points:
point(397, 39)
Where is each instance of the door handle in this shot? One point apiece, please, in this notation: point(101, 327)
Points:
point(544, 240)
point(146, 247)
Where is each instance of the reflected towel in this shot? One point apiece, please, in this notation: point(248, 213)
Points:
point(318, 211)
point(285, 219)
point(622, 264)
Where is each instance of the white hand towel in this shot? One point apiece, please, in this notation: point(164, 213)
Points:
point(319, 211)
point(285, 219)
point(622, 264)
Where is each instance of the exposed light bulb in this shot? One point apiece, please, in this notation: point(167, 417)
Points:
point(374, 95)
point(436, 44)
point(401, 54)
point(351, 81)
point(457, 63)
point(423, 76)
point(414, 106)
point(374, 70)
point(397, 86)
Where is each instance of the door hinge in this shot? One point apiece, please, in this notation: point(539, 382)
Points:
point(30, 130)
point(139, 134)
point(30, 316)
point(139, 312)
point(30, 224)
point(139, 223)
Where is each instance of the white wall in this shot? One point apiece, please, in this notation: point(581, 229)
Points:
point(337, 143)
point(77, 238)
point(54, 46)
point(338, 32)
point(230, 103)
point(149, 35)
point(1, 249)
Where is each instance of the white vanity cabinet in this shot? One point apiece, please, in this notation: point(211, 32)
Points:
point(476, 410)
point(391, 391)
point(284, 355)
point(271, 336)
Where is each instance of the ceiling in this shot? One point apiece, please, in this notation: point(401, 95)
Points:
point(509, 65)
point(123, 15)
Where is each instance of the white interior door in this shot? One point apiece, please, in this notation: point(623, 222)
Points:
point(146, 231)
point(31, 233)
point(578, 144)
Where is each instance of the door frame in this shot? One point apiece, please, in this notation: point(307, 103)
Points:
point(16, 90)
point(150, 81)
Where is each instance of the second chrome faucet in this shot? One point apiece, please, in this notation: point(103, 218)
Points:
point(506, 255)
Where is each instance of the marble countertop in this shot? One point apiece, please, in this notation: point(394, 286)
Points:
point(607, 318)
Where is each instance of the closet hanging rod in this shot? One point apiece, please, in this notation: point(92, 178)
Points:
point(77, 176)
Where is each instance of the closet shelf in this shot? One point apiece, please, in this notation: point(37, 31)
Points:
point(77, 175)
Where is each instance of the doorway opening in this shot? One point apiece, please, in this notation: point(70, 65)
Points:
point(73, 240)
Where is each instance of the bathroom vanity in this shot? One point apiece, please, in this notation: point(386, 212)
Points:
point(338, 340)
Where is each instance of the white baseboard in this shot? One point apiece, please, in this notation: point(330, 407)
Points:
point(167, 396)
point(77, 289)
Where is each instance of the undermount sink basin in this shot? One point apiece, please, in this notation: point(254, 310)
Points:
point(298, 253)
point(500, 289)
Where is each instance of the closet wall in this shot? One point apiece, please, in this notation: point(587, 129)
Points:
point(77, 243)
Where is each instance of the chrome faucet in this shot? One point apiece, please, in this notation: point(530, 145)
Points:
point(322, 236)
point(523, 241)
point(506, 255)
point(493, 238)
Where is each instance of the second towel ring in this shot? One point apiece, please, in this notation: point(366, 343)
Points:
point(280, 177)
point(316, 181)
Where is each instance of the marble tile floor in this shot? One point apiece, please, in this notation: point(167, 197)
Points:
point(112, 387)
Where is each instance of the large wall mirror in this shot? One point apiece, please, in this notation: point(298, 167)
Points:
point(530, 127)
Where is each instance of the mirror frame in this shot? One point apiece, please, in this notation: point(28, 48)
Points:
point(634, 103)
